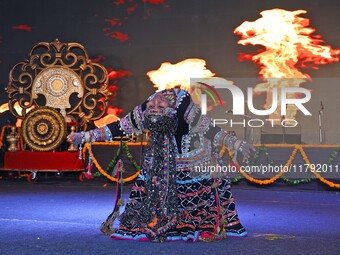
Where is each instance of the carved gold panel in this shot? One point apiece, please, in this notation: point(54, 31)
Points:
point(57, 84)
point(56, 71)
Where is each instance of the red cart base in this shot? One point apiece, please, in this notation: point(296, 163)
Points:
point(43, 162)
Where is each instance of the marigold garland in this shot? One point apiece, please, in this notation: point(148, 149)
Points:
point(268, 181)
point(297, 147)
point(100, 169)
point(264, 149)
point(305, 158)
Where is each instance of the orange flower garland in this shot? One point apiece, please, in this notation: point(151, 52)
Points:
point(297, 147)
point(305, 158)
point(100, 169)
point(268, 181)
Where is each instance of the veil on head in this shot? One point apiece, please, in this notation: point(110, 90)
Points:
point(169, 94)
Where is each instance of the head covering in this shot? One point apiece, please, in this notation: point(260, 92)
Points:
point(175, 96)
point(171, 95)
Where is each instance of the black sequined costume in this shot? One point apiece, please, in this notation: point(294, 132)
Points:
point(169, 201)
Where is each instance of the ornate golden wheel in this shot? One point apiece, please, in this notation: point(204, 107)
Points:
point(43, 129)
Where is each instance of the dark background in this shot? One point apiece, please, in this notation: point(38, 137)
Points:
point(171, 31)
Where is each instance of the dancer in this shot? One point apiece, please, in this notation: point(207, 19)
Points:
point(172, 198)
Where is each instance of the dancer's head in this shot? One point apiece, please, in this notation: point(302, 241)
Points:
point(163, 99)
point(160, 113)
point(158, 101)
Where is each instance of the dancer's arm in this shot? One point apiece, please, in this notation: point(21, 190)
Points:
point(202, 124)
point(131, 123)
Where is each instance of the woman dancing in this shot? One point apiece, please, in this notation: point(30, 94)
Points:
point(172, 199)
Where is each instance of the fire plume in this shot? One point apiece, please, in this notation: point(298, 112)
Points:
point(288, 43)
point(4, 107)
point(172, 75)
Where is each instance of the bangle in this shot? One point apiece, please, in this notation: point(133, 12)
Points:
point(87, 137)
point(108, 134)
point(237, 145)
point(83, 140)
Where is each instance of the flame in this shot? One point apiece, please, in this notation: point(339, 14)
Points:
point(117, 74)
point(172, 75)
point(112, 115)
point(288, 43)
point(106, 120)
point(4, 107)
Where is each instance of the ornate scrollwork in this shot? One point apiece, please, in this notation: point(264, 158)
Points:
point(52, 74)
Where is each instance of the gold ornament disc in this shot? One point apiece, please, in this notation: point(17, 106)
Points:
point(57, 84)
point(43, 129)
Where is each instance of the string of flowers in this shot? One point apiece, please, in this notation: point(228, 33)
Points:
point(101, 170)
point(258, 151)
point(297, 147)
point(232, 180)
point(312, 168)
point(114, 161)
point(305, 180)
point(334, 155)
point(264, 149)
point(267, 181)
point(236, 179)
point(116, 158)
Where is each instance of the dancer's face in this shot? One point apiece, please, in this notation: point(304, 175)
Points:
point(158, 102)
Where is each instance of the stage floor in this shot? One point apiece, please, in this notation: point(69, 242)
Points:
point(62, 216)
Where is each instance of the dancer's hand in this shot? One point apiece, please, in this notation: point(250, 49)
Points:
point(245, 148)
point(94, 135)
point(76, 138)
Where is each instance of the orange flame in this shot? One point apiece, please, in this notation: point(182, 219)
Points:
point(172, 75)
point(4, 107)
point(288, 43)
point(106, 120)
point(112, 115)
